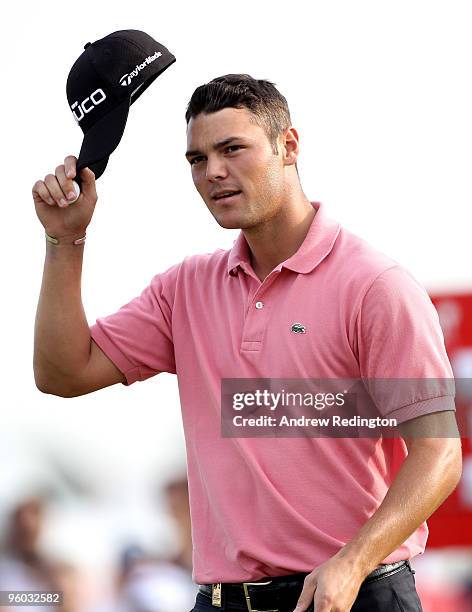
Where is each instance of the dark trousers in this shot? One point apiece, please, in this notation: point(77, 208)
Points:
point(388, 593)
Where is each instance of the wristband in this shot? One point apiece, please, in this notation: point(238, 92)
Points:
point(53, 240)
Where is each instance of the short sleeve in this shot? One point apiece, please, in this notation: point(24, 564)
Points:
point(402, 357)
point(138, 337)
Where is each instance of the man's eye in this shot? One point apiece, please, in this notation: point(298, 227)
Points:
point(228, 149)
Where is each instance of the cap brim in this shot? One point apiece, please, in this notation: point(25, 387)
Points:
point(102, 139)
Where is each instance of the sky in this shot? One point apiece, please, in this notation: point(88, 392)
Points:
point(381, 95)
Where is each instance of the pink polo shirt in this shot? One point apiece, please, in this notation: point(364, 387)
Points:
point(273, 506)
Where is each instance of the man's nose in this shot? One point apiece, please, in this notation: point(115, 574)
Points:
point(215, 168)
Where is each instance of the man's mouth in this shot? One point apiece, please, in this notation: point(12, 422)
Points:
point(225, 196)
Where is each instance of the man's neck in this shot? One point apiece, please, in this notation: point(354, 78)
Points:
point(280, 237)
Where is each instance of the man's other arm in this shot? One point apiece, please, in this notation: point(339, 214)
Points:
point(428, 475)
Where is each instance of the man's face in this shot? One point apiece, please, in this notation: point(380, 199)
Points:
point(227, 151)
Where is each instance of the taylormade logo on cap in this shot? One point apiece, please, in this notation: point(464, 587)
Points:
point(126, 78)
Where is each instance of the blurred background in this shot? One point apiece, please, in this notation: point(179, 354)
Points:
point(93, 497)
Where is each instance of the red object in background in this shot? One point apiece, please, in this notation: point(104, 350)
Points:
point(451, 524)
point(443, 599)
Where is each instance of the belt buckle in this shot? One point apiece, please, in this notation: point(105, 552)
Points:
point(216, 595)
point(248, 599)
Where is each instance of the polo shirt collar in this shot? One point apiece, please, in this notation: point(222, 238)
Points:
point(318, 243)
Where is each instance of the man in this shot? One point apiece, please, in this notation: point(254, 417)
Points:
point(309, 522)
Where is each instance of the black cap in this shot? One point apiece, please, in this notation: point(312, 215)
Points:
point(105, 80)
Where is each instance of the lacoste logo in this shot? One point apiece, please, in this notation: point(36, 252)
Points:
point(298, 328)
point(126, 79)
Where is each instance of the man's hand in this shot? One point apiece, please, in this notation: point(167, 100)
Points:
point(51, 197)
point(332, 586)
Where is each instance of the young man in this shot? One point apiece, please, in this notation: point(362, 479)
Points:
point(278, 522)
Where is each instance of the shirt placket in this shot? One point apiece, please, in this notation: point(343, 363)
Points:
point(258, 314)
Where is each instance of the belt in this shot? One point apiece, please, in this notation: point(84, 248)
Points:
point(244, 591)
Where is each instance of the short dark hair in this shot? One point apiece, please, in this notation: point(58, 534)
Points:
point(261, 98)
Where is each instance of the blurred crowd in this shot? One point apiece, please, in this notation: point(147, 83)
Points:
point(140, 580)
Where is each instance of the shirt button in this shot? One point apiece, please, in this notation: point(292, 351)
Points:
point(259, 305)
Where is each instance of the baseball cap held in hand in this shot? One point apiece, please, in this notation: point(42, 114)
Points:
point(105, 80)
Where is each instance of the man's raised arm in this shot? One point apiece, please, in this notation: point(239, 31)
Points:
point(67, 362)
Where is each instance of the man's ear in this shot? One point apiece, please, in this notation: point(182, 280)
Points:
point(290, 146)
